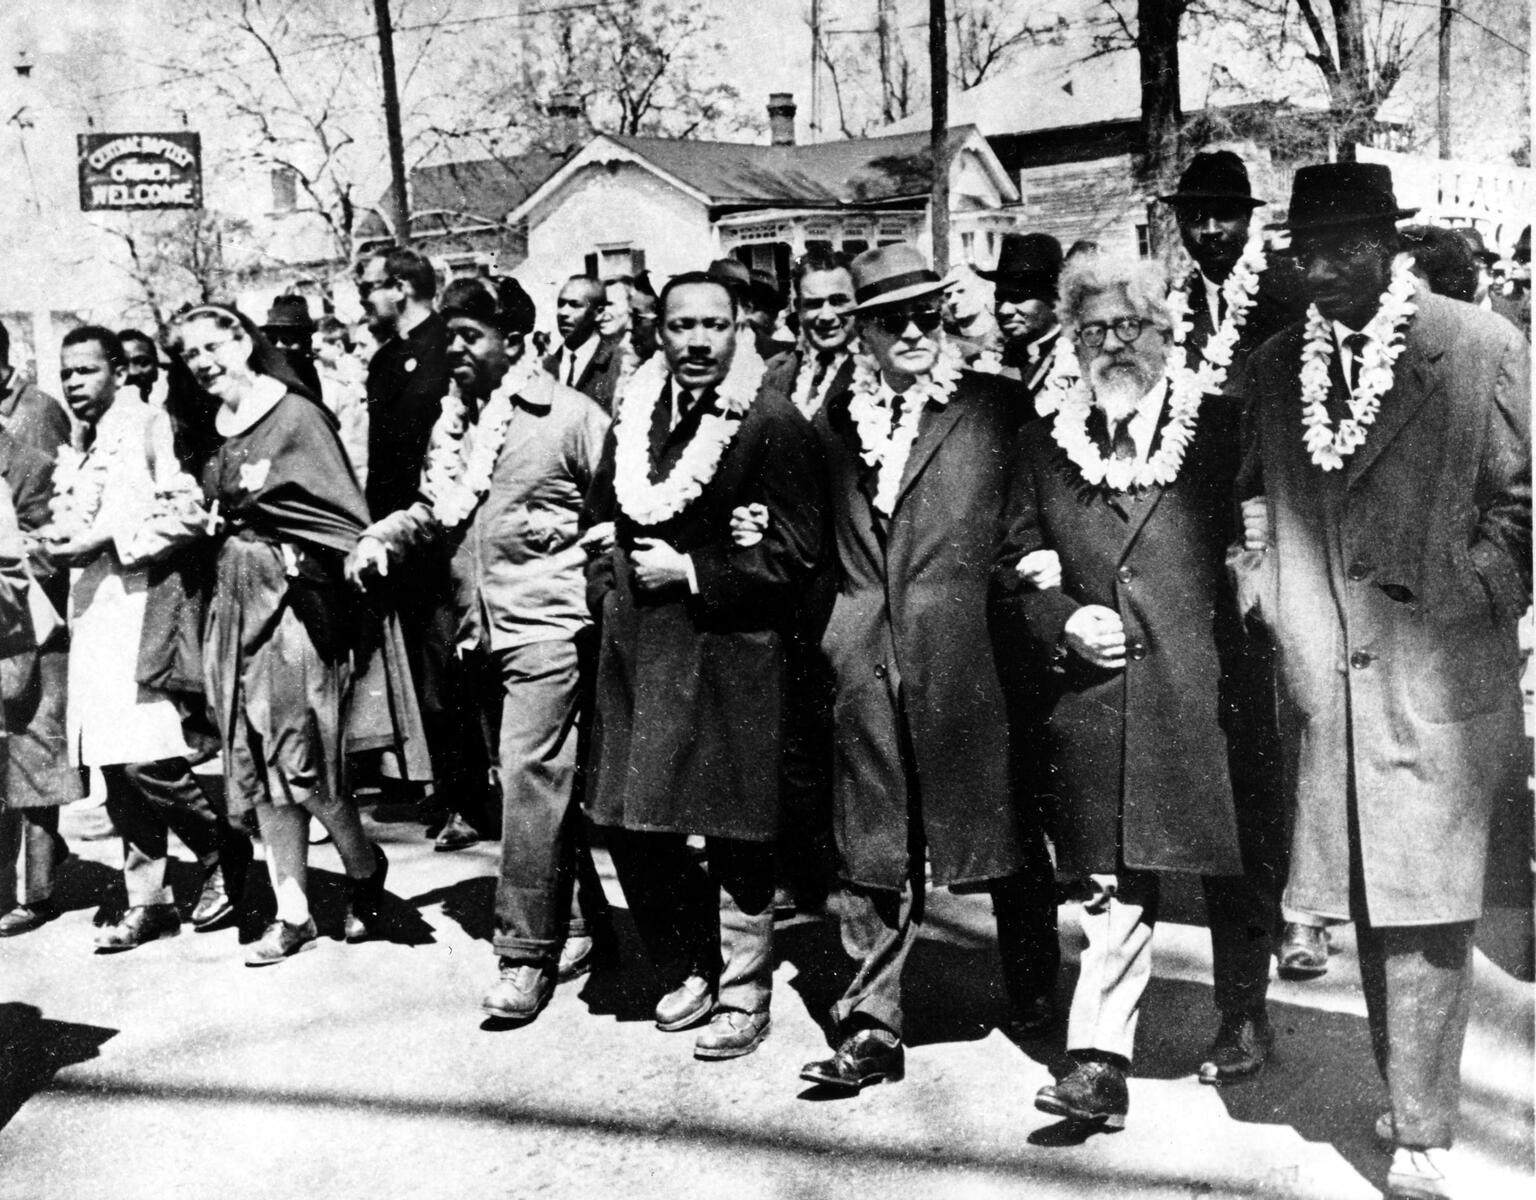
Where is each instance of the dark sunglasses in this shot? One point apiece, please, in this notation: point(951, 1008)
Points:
point(1127, 329)
point(895, 323)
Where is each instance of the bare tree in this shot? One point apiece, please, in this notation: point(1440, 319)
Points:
point(175, 258)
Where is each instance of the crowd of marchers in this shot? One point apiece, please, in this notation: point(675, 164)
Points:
point(1120, 579)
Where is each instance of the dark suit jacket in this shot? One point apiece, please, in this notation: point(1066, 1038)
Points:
point(34, 419)
point(1136, 759)
point(917, 689)
point(686, 733)
point(599, 380)
point(1393, 586)
point(407, 380)
point(1272, 311)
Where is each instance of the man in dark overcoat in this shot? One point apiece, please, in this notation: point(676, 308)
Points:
point(690, 670)
point(1131, 655)
point(918, 453)
point(586, 359)
point(1391, 442)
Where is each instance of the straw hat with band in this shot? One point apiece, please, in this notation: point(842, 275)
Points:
point(890, 275)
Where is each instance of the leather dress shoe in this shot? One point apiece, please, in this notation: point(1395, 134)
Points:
point(1417, 1173)
point(585, 952)
point(1092, 1093)
point(1031, 1018)
point(1244, 1043)
point(280, 941)
point(24, 918)
point(732, 1033)
point(363, 919)
point(685, 1005)
point(520, 992)
point(866, 1057)
point(1303, 952)
point(456, 834)
point(215, 907)
point(143, 923)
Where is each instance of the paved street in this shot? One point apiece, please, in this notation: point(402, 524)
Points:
point(367, 1071)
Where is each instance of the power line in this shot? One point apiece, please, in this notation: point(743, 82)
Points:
point(330, 43)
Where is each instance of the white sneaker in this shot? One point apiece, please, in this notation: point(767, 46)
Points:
point(1417, 1174)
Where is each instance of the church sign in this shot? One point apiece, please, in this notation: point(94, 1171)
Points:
point(126, 171)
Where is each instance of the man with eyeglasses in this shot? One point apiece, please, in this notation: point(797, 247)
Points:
point(918, 453)
point(1388, 548)
point(407, 379)
point(1024, 302)
point(1129, 652)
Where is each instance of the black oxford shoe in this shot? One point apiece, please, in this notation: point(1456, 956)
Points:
point(866, 1057)
point(1303, 952)
point(1092, 1093)
point(1244, 1043)
point(141, 924)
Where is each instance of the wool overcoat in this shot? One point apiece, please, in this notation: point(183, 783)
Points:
point(1136, 759)
point(918, 698)
point(686, 734)
point(1392, 588)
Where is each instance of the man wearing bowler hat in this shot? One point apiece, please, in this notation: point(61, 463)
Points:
point(1024, 301)
point(1388, 547)
point(918, 453)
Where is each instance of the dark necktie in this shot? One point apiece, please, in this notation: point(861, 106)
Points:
point(819, 375)
point(1123, 445)
point(1355, 344)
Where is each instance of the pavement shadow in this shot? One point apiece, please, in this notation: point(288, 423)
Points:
point(402, 924)
point(813, 946)
point(627, 990)
point(469, 903)
point(951, 993)
point(34, 1049)
point(84, 884)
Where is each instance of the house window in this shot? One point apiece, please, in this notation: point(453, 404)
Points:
point(612, 261)
point(852, 246)
point(285, 190)
point(1144, 241)
point(968, 246)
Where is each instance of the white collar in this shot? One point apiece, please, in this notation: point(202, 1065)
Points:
point(265, 394)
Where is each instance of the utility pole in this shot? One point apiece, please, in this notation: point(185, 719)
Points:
point(401, 206)
point(815, 70)
point(1443, 122)
point(883, 30)
point(938, 143)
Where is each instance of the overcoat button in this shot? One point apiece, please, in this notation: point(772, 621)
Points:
point(1359, 660)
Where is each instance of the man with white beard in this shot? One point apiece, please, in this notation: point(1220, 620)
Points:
point(1128, 643)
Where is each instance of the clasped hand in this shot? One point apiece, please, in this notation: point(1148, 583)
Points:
point(657, 565)
point(1097, 635)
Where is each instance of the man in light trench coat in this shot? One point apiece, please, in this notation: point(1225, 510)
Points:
point(1391, 559)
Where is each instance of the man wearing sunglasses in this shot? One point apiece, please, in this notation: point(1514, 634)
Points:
point(918, 453)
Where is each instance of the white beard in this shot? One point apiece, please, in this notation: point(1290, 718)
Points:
point(1119, 395)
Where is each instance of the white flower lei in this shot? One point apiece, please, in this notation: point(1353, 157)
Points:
point(455, 481)
point(650, 503)
point(802, 395)
point(1070, 429)
point(882, 445)
point(79, 481)
point(1065, 374)
point(1241, 291)
point(1384, 335)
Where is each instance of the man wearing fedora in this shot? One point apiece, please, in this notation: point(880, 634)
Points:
point(918, 453)
point(1389, 443)
point(1024, 302)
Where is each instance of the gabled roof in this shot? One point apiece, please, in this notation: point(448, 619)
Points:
point(862, 171)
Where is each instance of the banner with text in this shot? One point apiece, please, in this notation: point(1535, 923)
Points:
point(126, 171)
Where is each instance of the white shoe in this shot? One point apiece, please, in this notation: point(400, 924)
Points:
point(1417, 1174)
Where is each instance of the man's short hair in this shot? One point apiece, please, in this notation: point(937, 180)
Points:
point(135, 335)
point(599, 288)
point(329, 326)
point(111, 345)
point(1444, 258)
point(690, 279)
point(818, 259)
point(412, 269)
point(498, 302)
point(1143, 281)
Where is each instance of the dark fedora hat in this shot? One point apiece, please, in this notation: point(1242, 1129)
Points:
point(890, 275)
point(289, 312)
point(1337, 195)
point(1027, 259)
point(1214, 176)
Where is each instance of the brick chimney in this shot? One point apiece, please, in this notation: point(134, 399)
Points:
point(566, 115)
point(781, 118)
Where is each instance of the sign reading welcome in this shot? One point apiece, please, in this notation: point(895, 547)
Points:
point(123, 171)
